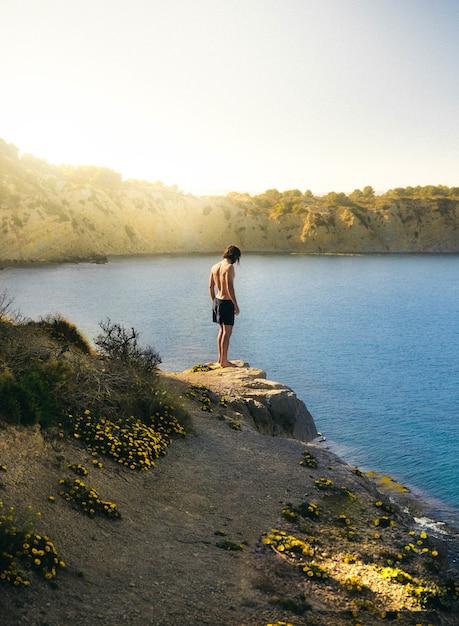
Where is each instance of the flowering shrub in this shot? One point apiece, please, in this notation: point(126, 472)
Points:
point(87, 499)
point(409, 549)
point(344, 520)
point(384, 522)
point(349, 531)
point(349, 558)
point(306, 509)
point(326, 484)
point(200, 367)
point(78, 469)
point(23, 549)
point(312, 570)
point(452, 588)
point(289, 513)
point(390, 615)
point(309, 460)
point(396, 575)
point(430, 596)
point(344, 491)
point(364, 604)
point(202, 393)
point(128, 441)
point(352, 584)
point(283, 542)
point(323, 483)
point(385, 507)
point(165, 422)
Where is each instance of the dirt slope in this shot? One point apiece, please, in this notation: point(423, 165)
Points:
point(160, 564)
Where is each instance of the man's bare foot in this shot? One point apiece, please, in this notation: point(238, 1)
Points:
point(227, 364)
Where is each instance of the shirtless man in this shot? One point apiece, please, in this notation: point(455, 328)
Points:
point(224, 303)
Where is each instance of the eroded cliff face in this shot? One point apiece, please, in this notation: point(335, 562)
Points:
point(404, 226)
point(53, 214)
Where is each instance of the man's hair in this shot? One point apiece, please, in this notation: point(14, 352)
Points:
point(232, 253)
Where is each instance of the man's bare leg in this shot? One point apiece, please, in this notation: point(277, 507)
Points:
point(219, 343)
point(224, 337)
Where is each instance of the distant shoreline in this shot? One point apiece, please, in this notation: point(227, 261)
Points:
point(102, 259)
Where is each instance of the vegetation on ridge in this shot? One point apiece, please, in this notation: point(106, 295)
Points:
point(363, 203)
point(50, 376)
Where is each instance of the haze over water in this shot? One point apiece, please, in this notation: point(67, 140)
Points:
point(369, 343)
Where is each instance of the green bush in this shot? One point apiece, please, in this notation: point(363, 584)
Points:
point(66, 332)
point(28, 398)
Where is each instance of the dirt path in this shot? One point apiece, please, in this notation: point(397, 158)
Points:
point(160, 564)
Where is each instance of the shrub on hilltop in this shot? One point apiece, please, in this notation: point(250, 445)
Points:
point(48, 370)
point(110, 401)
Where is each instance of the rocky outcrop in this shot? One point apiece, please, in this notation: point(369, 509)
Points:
point(270, 407)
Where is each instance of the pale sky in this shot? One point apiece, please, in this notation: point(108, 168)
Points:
point(237, 95)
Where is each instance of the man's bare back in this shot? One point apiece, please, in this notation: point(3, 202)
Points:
point(222, 280)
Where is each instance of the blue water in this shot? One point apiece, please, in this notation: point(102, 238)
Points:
point(369, 343)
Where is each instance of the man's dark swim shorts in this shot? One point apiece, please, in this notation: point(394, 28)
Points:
point(223, 312)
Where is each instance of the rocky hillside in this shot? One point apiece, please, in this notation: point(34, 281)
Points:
point(55, 213)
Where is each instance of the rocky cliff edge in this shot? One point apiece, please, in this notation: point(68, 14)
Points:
point(270, 407)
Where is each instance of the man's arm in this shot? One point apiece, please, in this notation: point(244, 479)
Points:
point(212, 286)
point(230, 286)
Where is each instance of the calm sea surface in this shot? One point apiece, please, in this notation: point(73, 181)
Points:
point(369, 343)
